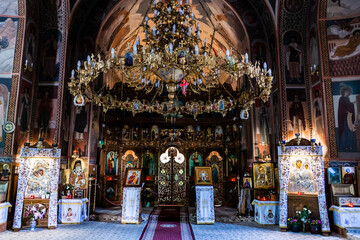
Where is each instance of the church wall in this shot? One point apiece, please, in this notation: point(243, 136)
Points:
point(12, 25)
point(340, 41)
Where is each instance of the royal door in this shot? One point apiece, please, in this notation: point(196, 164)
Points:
point(172, 177)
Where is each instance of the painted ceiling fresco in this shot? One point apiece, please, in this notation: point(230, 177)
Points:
point(216, 18)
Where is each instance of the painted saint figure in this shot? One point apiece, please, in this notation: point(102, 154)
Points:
point(297, 116)
point(293, 57)
point(346, 119)
point(133, 179)
point(350, 47)
point(77, 176)
point(111, 164)
point(25, 107)
point(45, 109)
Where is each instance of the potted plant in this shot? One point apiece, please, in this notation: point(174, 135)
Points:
point(303, 215)
point(34, 212)
point(294, 224)
point(315, 226)
point(47, 195)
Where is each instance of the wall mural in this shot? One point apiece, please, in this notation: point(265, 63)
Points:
point(5, 88)
point(8, 31)
point(50, 60)
point(297, 113)
point(293, 5)
point(317, 112)
point(80, 129)
point(262, 148)
point(23, 116)
point(343, 40)
point(46, 113)
point(342, 8)
point(346, 99)
point(294, 71)
point(9, 7)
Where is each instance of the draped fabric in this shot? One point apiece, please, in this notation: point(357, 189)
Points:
point(4, 208)
point(205, 213)
point(131, 205)
point(266, 212)
point(72, 211)
point(346, 217)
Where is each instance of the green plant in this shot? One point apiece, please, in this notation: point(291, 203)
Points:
point(293, 222)
point(69, 187)
point(304, 216)
point(315, 222)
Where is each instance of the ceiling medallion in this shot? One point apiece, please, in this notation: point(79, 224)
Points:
point(171, 59)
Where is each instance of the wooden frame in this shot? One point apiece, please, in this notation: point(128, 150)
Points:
point(205, 179)
point(332, 175)
point(263, 180)
point(250, 185)
point(352, 173)
point(135, 181)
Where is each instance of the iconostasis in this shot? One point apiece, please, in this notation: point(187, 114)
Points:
point(37, 185)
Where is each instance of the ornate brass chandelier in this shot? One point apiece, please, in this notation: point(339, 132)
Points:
point(172, 59)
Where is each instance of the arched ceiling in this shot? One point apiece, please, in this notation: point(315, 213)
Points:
point(216, 18)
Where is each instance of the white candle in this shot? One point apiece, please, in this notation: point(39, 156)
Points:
point(270, 73)
point(246, 57)
point(112, 54)
point(72, 73)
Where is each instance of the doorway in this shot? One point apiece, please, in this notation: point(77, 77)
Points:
point(172, 177)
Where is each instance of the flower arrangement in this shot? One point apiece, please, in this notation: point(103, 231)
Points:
point(69, 187)
point(293, 222)
point(35, 211)
point(315, 222)
point(304, 216)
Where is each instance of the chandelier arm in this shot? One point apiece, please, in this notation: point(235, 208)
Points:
point(228, 92)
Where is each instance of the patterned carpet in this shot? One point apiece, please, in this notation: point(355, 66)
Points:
point(168, 223)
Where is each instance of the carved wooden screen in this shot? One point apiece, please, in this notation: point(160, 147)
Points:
point(172, 177)
point(129, 159)
point(214, 160)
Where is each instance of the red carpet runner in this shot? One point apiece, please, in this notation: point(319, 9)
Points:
point(168, 223)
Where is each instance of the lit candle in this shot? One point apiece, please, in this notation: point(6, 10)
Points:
point(265, 66)
point(170, 48)
point(72, 73)
point(135, 49)
point(79, 64)
point(198, 26)
point(205, 42)
point(189, 32)
point(270, 73)
point(138, 41)
point(88, 59)
point(112, 54)
point(173, 29)
point(196, 49)
point(154, 3)
point(246, 57)
point(146, 20)
point(198, 34)
point(154, 32)
point(169, 10)
point(227, 53)
point(314, 66)
point(192, 16)
point(26, 62)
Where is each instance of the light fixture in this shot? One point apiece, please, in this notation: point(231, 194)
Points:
point(171, 59)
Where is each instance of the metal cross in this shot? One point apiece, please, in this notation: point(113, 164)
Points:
point(184, 85)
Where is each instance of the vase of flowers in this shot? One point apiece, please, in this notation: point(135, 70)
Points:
point(34, 212)
point(294, 224)
point(315, 226)
point(303, 215)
